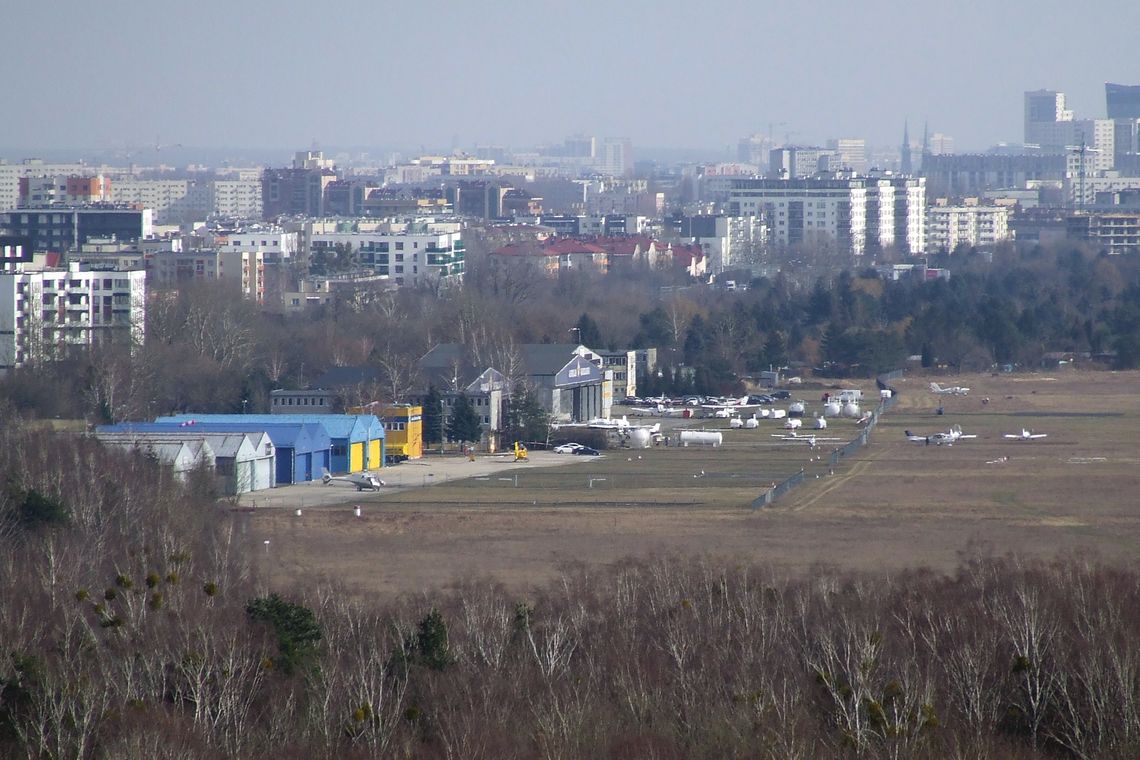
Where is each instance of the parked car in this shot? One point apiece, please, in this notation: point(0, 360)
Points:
point(781, 395)
point(568, 448)
point(587, 451)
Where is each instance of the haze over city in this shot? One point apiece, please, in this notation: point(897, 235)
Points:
point(439, 75)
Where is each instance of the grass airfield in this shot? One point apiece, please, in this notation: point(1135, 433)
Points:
point(893, 505)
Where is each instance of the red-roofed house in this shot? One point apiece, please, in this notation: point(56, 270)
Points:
point(556, 253)
point(691, 257)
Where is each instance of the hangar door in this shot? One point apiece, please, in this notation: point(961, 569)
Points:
point(243, 477)
point(356, 457)
point(262, 474)
point(374, 454)
point(284, 466)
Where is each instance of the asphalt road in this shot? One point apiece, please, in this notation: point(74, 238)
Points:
point(429, 471)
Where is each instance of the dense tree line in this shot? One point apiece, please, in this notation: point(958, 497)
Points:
point(205, 350)
point(132, 627)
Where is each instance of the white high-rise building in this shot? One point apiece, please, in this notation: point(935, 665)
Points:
point(797, 162)
point(615, 157)
point(45, 313)
point(850, 154)
point(949, 225)
point(236, 198)
point(941, 145)
point(10, 175)
point(859, 215)
point(173, 200)
point(1098, 138)
point(416, 255)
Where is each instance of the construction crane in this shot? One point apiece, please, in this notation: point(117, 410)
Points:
point(1081, 150)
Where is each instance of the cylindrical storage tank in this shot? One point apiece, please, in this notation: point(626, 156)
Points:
point(851, 409)
point(639, 438)
point(702, 437)
point(796, 409)
point(832, 409)
point(779, 414)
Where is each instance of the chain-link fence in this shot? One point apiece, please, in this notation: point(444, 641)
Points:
point(862, 439)
point(778, 490)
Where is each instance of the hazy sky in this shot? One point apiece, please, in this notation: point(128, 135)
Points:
point(254, 73)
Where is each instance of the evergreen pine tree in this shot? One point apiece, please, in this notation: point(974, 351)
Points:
point(464, 424)
point(433, 416)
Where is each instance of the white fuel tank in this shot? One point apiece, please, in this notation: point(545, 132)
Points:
point(702, 437)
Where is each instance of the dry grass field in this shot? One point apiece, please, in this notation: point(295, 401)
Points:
point(895, 504)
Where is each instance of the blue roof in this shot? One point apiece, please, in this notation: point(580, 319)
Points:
point(353, 427)
point(290, 435)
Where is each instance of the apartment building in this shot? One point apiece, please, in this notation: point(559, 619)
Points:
point(970, 222)
point(48, 312)
point(276, 244)
point(62, 229)
point(859, 214)
point(172, 201)
point(39, 191)
point(11, 174)
point(413, 255)
point(1115, 232)
point(727, 241)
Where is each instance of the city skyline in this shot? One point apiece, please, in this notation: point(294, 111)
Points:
point(666, 75)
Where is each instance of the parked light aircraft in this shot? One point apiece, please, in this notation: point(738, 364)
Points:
point(1025, 435)
point(728, 411)
point(362, 480)
point(951, 390)
point(794, 435)
point(948, 437)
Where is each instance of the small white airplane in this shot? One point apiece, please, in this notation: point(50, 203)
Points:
point(951, 390)
point(949, 437)
point(364, 481)
point(1025, 435)
point(727, 411)
point(810, 439)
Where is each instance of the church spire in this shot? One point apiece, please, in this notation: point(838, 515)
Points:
point(904, 164)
